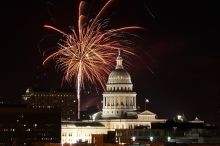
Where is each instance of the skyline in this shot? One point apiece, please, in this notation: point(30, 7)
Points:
point(181, 37)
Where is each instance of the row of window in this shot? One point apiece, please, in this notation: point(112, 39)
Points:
point(67, 141)
point(124, 126)
point(112, 100)
point(78, 135)
point(8, 130)
point(64, 95)
point(119, 88)
point(49, 139)
point(118, 112)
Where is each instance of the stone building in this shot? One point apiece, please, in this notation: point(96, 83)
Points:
point(119, 110)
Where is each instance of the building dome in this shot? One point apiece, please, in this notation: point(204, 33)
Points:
point(119, 76)
point(119, 79)
point(119, 98)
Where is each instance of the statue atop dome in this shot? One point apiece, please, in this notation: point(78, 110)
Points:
point(119, 61)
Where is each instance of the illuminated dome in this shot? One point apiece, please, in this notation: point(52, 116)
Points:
point(119, 76)
point(119, 79)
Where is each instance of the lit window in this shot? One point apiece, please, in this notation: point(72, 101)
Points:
point(28, 129)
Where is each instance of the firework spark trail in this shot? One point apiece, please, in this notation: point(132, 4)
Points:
point(101, 12)
point(87, 55)
point(79, 79)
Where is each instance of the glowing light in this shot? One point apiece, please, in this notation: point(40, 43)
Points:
point(147, 100)
point(86, 54)
point(179, 117)
point(151, 138)
point(133, 138)
point(168, 138)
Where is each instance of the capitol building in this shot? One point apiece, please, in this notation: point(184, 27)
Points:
point(118, 112)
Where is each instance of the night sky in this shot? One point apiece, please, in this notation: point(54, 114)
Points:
point(180, 44)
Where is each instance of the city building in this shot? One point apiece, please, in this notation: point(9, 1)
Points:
point(3, 101)
point(175, 132)
point(20, 125)
point(119, 110)
point(64, 100)
point(78, 131)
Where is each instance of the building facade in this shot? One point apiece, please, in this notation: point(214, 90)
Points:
point(77, 131)
point(64, 100)
point(195, 131)
point(20, 125)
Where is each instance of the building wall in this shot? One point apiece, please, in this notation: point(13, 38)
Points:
point(98, 139)
point(116, 104)
point(72, 134)
point(123, 124)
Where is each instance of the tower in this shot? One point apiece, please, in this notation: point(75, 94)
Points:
point(119, 97)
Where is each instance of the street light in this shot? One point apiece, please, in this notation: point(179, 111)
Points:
point(133, 138)
point(168, 138)
point(151, 138)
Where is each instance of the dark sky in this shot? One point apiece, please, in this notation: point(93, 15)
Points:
point(180, 44)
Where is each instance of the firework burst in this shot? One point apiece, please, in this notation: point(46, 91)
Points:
point(86, 54)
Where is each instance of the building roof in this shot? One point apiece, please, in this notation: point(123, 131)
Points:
point(146, 112)
point(84, 124)
point(119, 76)
point(196, 120)
point(171, 124)
point(50, 90)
